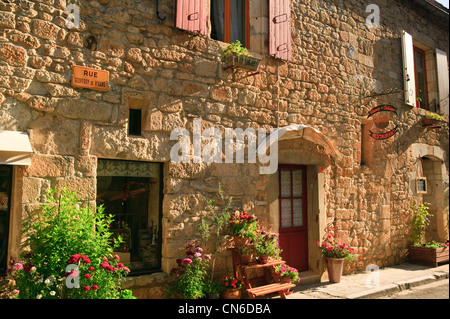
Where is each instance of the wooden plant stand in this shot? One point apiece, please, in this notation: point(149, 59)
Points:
point(241, 272)
point(428, 256)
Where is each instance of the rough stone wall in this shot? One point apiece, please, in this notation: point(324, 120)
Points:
point(176, 77)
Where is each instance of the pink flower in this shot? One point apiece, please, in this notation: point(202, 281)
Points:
point(187, 261)
point(87, 276)
point(18, 266)
point(94, 287)
point(117, 257)
point(86, 288)
point(91, 268)
point(15, 291)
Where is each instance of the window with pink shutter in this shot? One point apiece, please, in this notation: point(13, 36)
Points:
point(280, 43)
point(190, 15)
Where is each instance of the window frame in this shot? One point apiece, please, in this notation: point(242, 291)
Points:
point(159, 233)
point(227, 22)
point(416, 76)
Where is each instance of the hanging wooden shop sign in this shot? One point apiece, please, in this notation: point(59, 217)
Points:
point(382, 121)
point(90, 78)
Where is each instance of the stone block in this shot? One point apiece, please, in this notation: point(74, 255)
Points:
point(13, 55)
point(45, 29)
point(50, 166)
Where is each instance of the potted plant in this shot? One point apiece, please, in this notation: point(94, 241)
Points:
point(287, 274)
point(213, 289)
point(236, 56)
point(232, 288)
point(418, 100)
point(266, 247)
point(429, 253)
point(245, 254)
point(335, 254)
point(243, 227)
point(188, 279)
point(432, 120)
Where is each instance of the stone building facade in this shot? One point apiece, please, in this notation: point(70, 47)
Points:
point(115, 144)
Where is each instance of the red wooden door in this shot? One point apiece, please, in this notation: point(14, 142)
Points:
point(293, 215)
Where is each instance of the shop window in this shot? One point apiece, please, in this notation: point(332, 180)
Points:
point(135, 122)
point(5, 202)
point(131, 192)
point(229, 21)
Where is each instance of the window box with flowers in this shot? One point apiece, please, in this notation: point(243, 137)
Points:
point(335, 254)
point(432, 120)
point(236, 56)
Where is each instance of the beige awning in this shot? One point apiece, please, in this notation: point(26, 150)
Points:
point(300, 131)
point(15, 148)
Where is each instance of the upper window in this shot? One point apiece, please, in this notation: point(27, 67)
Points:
point(131, 192)
point(421, 78)
point(229, 21)
point(232, 20)
point(425, 75)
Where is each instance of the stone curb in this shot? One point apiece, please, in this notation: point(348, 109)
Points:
point(399, 286)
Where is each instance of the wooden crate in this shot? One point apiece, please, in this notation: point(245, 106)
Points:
point(428, 256)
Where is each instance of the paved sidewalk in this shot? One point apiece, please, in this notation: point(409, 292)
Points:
point(368, 285)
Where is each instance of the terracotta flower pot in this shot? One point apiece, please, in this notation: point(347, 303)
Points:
point(240, 241)
point(231, 294)
point(263, 259)
point(286, 280)
point(334, 267)
point(245, 259)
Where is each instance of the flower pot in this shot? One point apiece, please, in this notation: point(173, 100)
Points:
point(263, 259)
point(334, 268)
point(231, 294)
point(240, 241)
point(428, 256)
point(245, 259)
point(286, 280)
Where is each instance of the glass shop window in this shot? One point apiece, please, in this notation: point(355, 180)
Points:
point(132, 193)
point(5, 204)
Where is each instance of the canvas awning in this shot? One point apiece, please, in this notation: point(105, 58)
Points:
point(15, 148)
point(299, 131)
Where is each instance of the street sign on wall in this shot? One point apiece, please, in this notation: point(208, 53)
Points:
point(90, 78)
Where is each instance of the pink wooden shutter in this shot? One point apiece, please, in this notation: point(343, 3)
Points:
point(280, 43)
point(191, 15)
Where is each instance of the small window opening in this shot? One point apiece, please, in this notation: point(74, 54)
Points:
point(134, 122)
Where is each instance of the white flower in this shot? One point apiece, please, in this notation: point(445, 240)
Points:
point(52, 293)
point(39, 296)
point(47, 281)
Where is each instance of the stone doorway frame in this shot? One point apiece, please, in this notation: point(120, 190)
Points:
point(436, 173)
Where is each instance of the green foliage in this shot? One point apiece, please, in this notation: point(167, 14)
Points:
point(433, 116)
point(420, 222)
point(267, 244)
point(332, 249)
point(213, 227)
point(235, 48)
point(190, 277)
point(67, 233)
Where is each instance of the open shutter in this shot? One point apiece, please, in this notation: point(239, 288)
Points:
point(190, 15)
point(408, 69)
point(442, 72)
point(280, 42)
